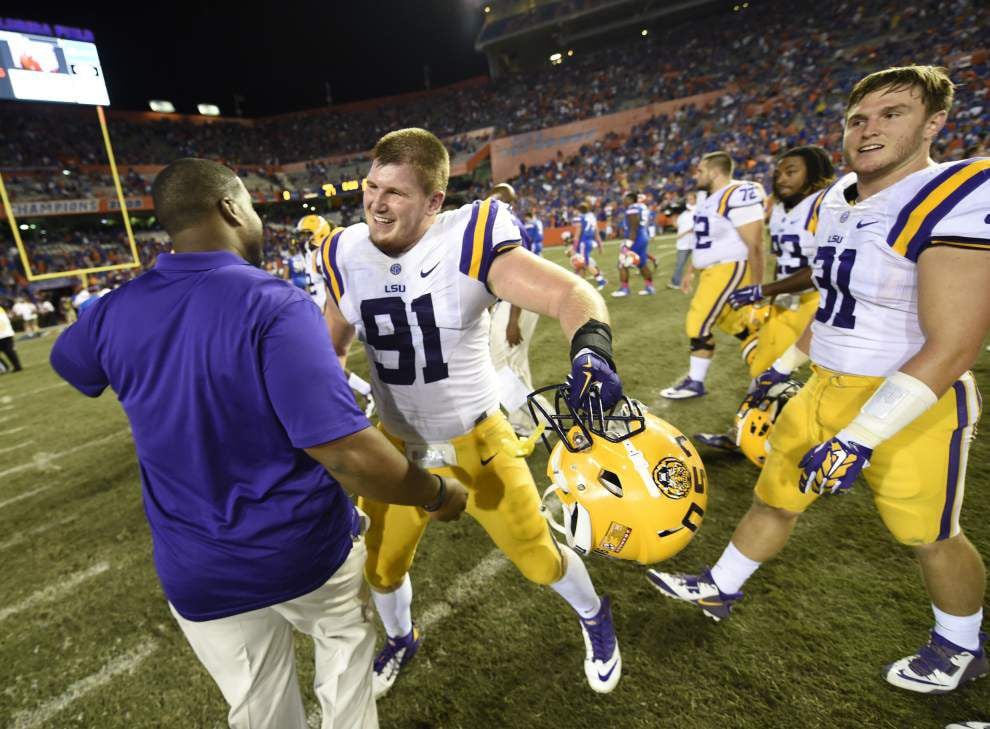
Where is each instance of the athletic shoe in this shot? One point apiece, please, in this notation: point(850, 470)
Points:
point(602, 662)
point(939, 667)
point(392, 658)
point(648, 291)
point(620, 293)
point(970, 725)
point(699, 590)
point(675, 287)
point(717, 440)
point(601, 283)
point(684, 390)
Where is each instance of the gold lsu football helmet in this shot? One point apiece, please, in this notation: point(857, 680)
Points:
point(754, 420)
point(630, 485)
point(311, 230)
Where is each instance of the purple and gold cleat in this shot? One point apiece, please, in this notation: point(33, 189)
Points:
point(392, 658)
point(699, 590)
point(602, 662)
point(939, 667)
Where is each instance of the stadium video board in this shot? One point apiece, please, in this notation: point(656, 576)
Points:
point(40, 67)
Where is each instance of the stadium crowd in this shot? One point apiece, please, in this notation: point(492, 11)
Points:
point(784, 83)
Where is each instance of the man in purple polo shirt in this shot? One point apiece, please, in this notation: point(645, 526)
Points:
point(239, 408)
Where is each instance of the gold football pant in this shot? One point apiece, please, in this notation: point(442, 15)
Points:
point(502, 497)
point(781, 330)
point(917, 477)
point(708, 305)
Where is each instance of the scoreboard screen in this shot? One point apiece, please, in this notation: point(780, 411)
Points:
point(35, 67)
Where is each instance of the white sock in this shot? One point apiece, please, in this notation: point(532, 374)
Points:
point(575, 586)
point(395, 609)
point(732, 570)
point(360, 386)
point(964, 631)
point(699, 368)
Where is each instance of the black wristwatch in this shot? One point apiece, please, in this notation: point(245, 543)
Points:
point(441, 496)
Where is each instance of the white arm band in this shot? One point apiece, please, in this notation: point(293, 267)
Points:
point(790, 360)
point(899, 401)
point(359, 386)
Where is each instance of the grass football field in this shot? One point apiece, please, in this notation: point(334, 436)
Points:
point(86, 639)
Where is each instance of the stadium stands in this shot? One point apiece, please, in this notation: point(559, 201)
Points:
point(783, 70)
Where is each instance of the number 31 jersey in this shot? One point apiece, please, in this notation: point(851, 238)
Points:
point(865, 266)
point(423, 318)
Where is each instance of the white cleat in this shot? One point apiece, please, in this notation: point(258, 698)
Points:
point(602, 662)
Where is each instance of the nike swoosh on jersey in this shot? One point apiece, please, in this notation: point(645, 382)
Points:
point(486, 461)
point(861, 224)
point(424, 274)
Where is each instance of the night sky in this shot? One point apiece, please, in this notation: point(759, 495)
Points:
point(276, 55)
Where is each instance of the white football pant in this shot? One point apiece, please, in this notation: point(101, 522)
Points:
point(250, 655)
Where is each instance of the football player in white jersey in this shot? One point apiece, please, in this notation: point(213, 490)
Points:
point(800, 177)
point(311, 231)
point(728, 250)
point(415, 285)
point(903, 267)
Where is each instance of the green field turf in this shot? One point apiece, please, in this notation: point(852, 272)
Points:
point(86, 639)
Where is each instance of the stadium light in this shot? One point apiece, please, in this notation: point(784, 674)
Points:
point(208, 109)
point(162, 106)
point(488, 9)
point(570, 53)
point(644, 32)
point(66, 172)
point(23, 226)
point(556, 59)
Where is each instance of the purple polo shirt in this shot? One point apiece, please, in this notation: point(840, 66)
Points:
point(225, 373)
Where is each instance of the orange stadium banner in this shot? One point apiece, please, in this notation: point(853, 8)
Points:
point(542, 146)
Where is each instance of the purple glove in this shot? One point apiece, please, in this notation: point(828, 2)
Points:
point(592, 373)
point(745, 296)
point(832, 467)
point(764, 381)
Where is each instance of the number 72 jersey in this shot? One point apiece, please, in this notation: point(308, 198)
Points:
point(423, 318)
point(865, 265)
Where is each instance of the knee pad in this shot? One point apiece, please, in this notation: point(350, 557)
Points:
point(703, 344)
point(540, 563)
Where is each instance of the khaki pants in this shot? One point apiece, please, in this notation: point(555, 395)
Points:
point(250, 655)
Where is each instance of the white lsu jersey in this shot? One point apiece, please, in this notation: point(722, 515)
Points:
point(792, 234)
point(423, 318)
point(716, 239)
point(865, 266)
point(316, 288)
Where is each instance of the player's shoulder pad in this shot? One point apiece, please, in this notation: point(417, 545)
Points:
point(330, 255)
point(810, 207)
point(740, 195)
point(949, 209)
point(489, 230)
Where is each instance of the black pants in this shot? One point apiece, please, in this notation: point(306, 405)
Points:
point(7, 348)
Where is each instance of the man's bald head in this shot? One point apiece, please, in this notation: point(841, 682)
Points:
point(189, 190)
point(204, 195)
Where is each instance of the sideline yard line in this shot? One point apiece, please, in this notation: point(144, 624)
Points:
point(21, 536)
point(21, 497)
point(50, 593)
point(29, 393)
point(43, 461)
point(15, 447)
point(12, 430)
point(126, 663)
point(464, 587)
